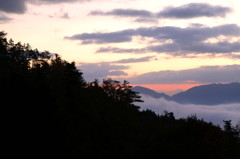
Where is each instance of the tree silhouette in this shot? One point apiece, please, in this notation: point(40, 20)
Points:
point(120, 92)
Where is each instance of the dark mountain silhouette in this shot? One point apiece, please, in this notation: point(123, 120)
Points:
point(150, 92)
point(211, 94)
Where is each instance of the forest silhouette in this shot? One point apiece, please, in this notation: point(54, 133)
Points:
point(50, 111)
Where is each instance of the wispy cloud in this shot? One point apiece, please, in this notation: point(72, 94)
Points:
point(135, 60)
point(205, 74)
point(62, 15)
point(119, 50)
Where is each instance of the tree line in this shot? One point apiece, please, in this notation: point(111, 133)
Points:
point(50, 111)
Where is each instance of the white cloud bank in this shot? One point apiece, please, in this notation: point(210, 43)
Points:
point(215, 114)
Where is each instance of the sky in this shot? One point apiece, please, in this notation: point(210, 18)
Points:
point(163, 45)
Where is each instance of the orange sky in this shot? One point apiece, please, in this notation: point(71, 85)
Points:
point(168, 88)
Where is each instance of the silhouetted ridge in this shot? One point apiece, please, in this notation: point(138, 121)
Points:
point(211, 94)
point(150, 92)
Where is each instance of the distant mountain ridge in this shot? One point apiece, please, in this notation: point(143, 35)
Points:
point(149, 92)
point(211, 94)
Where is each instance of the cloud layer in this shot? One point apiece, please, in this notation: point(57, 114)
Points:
point(92, 71)
point(13, 6)
point(206, 74)
point(175, 41)
point(124, 13)
point(119, 50)
point(215, 114)
point(192, 10)
point(135, 60)
point(103, 70)
point(102, 38)
point(19, 6)
point(56, 1)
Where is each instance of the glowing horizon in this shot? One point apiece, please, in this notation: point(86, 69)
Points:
point(169, 89)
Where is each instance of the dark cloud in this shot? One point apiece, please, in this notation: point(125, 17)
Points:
point(100, 38)
point(172, 48)
point(101, 71)
point(135, 60)
point(190, 34)
point(206, 74)
point(54, 1)
point(13, 6)
point(220, 47)
point(191, 10)
point(191, 39)
point(183, 40)
point(123, 13)
point(178, 49)
point(194, 10)
point(19, 6)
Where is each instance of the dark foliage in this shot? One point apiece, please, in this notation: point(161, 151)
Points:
point(49, 111)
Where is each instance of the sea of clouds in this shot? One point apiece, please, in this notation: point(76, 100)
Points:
point(215, 114)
